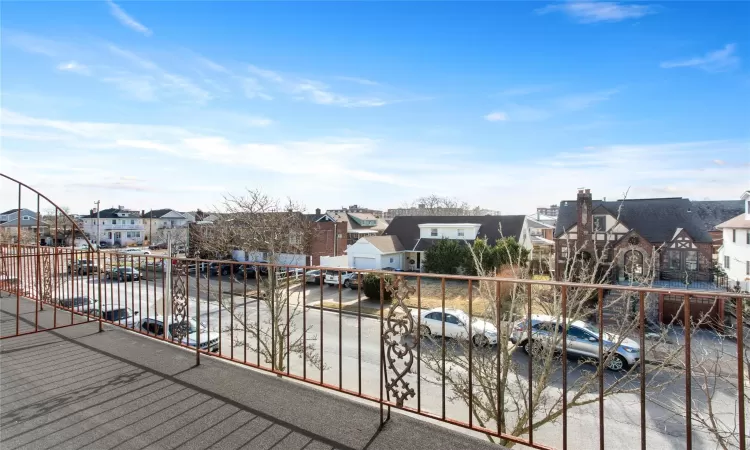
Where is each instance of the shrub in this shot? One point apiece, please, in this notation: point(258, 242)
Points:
point(446, 256)
point(371, 286)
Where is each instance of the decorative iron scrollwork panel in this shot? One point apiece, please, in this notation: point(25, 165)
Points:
point(398, 343)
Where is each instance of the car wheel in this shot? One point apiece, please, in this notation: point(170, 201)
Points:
point(532, 347)
point(480, 340)
point(347, 283)
point(424, 330)
point(617, 363)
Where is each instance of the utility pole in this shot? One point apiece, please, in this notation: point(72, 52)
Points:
point(98, 236)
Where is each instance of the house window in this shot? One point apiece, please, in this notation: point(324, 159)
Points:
point(747, 268)
point(132, 221)
point(600, 223)
point(114, 221)
point(564, 252)
point(460, 232)
point(691, 260)
point(433, 232)
point(633, 262)
point(747, 237)
point(338, 236)
point(674, 259)
point(734, 235)
point(390, 260)
point(137, 234)
point(26, 218)
point(726, 262)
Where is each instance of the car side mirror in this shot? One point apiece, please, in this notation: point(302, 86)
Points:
point(593, 339)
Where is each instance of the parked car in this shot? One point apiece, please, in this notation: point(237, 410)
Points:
point(457, 326)
point(78, 304)
point(215, 269)
point(391, 269)
point(582, 339)
point(251, 269)
point(105, 244)
point(152, 266)
point(332, 277)
point(123, 274)
point(197, 334)
point(354, 281)
point(83, 267)
point(115, 314)
point(136, 251)
point(160, 246)
point(312, 276)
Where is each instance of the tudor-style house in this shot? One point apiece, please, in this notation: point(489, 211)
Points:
point(635, 236)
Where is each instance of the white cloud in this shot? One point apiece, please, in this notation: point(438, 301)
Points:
point(716, 61)
point(578, 102)
point(127, 20)
point(75, 67)
point(592, 12)
point(310, 90)
point(496, 116)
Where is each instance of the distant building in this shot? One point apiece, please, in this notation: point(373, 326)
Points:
point(423, 210)
point(357, 209)
point(551, 210)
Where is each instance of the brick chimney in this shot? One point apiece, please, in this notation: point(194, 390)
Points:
point(317, 211)
point(584, 216)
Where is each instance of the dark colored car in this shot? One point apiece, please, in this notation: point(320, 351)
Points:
point(220, 268)
point(250, 268)
point(83, 267)
point(105, 244)
point(79, 304)
point(161, 246)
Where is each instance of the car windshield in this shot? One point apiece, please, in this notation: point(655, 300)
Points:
point(192, 324)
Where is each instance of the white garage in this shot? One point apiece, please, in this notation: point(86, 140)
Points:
point(361, 262)
point(376, 252)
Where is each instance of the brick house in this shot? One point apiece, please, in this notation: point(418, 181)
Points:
point(329, 236)
point(627, 233)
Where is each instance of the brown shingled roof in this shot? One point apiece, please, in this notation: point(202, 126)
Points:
point(386, 244)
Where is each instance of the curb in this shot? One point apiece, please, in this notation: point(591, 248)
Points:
point(343, 311)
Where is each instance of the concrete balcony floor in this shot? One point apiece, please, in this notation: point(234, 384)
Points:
point(78, 388)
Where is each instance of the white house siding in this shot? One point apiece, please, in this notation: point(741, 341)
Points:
point(394, 260)
point(363, 249)
point(470, 231)
point(286, 259)
point(738, 253)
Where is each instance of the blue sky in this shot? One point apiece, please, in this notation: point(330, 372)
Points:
point(509, 105)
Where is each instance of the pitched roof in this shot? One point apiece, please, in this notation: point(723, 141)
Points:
point(406, 228)
point(386, 244)
point(656, 219)
point(712, 213)
point(532, 223)
point(352, 226)
point(15, 210)
point(741, 221)
point(157, 213)
point(111, 213)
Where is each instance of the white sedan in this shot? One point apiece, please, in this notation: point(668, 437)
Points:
point(482, 333)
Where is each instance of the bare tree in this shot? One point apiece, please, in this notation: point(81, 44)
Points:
point(265, 231)
point(440, 206)
point(507, 391)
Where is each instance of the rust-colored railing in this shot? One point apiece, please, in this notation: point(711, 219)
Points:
point(539, 363)
point(325, 331)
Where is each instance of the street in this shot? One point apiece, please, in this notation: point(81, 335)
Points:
point(350, 351)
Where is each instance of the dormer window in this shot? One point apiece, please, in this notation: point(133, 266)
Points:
point(433, 232)
point(460, 232)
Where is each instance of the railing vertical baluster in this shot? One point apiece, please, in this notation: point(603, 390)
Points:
point(642, 343)
point(153, 280)
point(257, 313)
point(164, 296)
point(380, 344)
point(304, 324)
point(219, 297)
point(600, 310)
point(321, 327)
point(39, 296)
point(18, 265)
point(231, 306)
point(341, 371)
point(141, 271)
point(565, 365)
point(740, 372)
point(197, 313)
point(470, 335)
point(442, 337)
point(688, 376)
point(419, 344)
point(287, 326)
point(244, 311)
point(531, 365)
point(57, 277)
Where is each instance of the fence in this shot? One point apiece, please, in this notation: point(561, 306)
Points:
point(468, 369)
